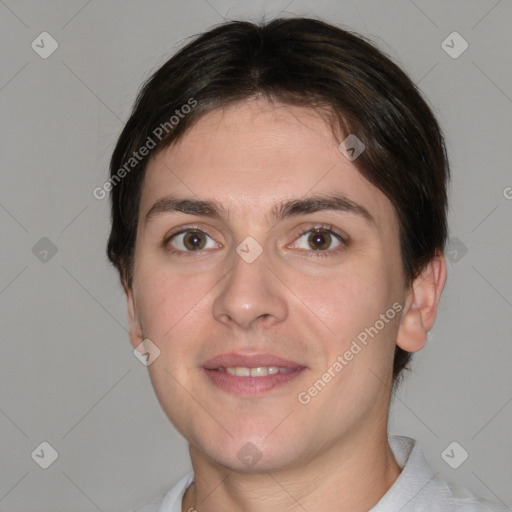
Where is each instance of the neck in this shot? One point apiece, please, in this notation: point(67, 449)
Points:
point(351, 475)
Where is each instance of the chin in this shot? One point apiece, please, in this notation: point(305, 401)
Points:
point(251, 454)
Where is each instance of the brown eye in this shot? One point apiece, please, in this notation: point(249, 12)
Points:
point(319, 240)
point(194, 240)
point(189, 241)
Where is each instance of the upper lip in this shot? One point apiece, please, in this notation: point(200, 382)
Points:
point(249, 361)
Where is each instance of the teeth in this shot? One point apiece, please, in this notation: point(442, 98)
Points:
point(260, 371)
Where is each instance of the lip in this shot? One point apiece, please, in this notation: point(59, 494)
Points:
point(249, 360)
point(250, 386)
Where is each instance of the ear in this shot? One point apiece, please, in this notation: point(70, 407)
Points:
point(135, 330)
point(421, 304)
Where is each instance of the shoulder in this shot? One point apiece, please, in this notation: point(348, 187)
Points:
point(152, 506)
point(418, 489)
point(465, 501)
point(171, 502)
point(444, 496)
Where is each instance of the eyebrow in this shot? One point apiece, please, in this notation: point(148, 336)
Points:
point(286, 209)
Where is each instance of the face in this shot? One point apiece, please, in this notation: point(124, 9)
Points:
point(269, 281)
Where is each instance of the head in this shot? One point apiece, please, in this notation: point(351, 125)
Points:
point(249, 131)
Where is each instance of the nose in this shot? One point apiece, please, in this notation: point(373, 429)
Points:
point(251, 294)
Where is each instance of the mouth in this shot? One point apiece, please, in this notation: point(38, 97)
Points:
point(258, 371)
point(250, 375)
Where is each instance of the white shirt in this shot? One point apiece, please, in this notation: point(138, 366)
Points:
point(416, 489)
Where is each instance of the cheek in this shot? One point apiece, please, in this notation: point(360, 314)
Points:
point(349, 301)
point(171, 308)
point(167, 301)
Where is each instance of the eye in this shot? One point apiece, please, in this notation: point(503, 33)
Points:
point(322, 240)
point(189, 241)
point(319, 238)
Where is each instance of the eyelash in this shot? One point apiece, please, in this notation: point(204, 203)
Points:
point(314, 253)
point(329, 229)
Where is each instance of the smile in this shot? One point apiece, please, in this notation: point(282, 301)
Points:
point(250, 382)
point(259, 371)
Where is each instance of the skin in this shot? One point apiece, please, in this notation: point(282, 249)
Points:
point(333, 452)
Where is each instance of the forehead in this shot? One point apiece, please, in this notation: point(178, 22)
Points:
point(254, 155)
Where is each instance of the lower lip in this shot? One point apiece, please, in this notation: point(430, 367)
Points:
point(249, 386)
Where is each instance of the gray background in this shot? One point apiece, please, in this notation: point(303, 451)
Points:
point(68, 375)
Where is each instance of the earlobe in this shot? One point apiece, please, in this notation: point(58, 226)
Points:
point(421, 305)
point(412, 334)
point(135, 331)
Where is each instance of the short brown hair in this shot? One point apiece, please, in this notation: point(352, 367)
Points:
point(306, 62)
